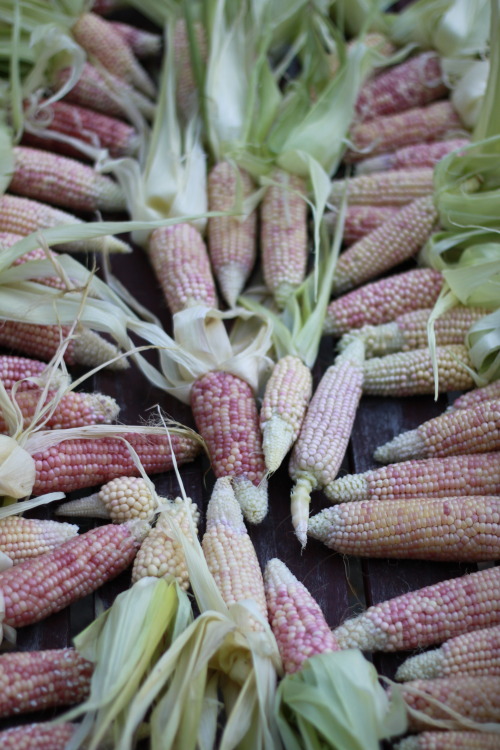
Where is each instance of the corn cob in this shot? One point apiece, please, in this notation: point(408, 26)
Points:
point(225, 414)
point(186, 89)
point(325, 432)
point(361, 220)
point(24, 538)
point(142, 43)
point(409, 331)
point(429, 615)
point(416, 156)
point(296, 618)
point(43, 736)
point(14, 369)
point(78, 463)
point(413, 83)
point(395, 187)
point(490, 392)
point(284, 235)
point(475, 430)
point(287, 394)
point(100, 40)
point(180, 261)
point(382, 301)
point(231, 241)
point(229, 552)
point(122, 499)
point(23, 216)
point(411, 373)
point(465, 529)
point(474, 698)
point(391, 132)
point(451, 741)
point(160, 555)
point(35, 680)
point(476, 654)
point(477, 474)
point(395, 241)
point(374, 40)
point(34, 589)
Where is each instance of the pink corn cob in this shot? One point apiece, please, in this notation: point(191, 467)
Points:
point(361, 220)
point(287, 394)
point(24, 538)
point(476, 654)
point(231, 240)
point(391, 132)
point(225, 414)
point(186, 94)
point(325, 432)
point(475, 430)
point(477, 474)
point(40, 736)
point(382, 301)
point(395, 241)
point(416, 156)
point(451, 741)
point(396, 187)
point(413, 83)
point(13, 369)
point(180, 261)
point(35, 680)
point(75, 464)
point(490, 392)
point(429, 615)
point(142, 43)
point(296, 619)
point(464, 528)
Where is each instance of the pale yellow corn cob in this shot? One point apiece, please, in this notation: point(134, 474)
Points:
point(24, 538)
point(391, 188)
point(122, 499)
point(450, 741)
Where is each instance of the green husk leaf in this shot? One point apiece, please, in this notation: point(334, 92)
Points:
point(483, 340)
point(357, 16)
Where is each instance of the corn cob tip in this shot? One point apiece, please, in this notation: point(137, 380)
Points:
point(90, 349)
point(347, 489)
point(138, 528)
point(283, 293)
point(409, 743)
point(422, 666)
point(105, 407)
point(277, 439)
point(253, 499)
point(231, 278)
point(91, 506)
point(300, 500)
point(321, 523)
point(223, 504)
point(408, 445)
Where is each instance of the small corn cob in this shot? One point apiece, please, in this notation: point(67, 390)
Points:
point(477, 474)
point(325, 432)
point(160, 555)
point(361, 220)
point(34, 589)
point(180, 261)
point(490, 392)
point(409, 331)
point(35, 680)
point(411, 373)
point(465, 529)
point(475, 654)
point(43, 736)
point(382, 301)
point(395, 241)
point(296, 618)
point(79, 463)
point(284, 235)
point(122, 499)
point(186, 88)
point(24, 538)
point(416, 156)
point(225, 414)
point(100, 40)
point(396, 187)
point(231, 241)
point(451, 741)
point(391, 132)
point(413, 83)
point(475, 430)
point(229, 552)
point(65, 182)
point(142, 43)
point(13, 369)
point(474, 698)
point(74, 409)
point(23, 216)
point(287, 394)
point(429, 615)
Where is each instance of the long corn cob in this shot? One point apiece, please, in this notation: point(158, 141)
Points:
point(395, 187)
point(229, 552)
point(464, 529)
point(410, 373)
point(475, 430)
point(360, 220)
point(24, 538)
point(180, 261)
point(142, 43)
point(451, 741)
point(325, 432)
point(475, 654)
point(490, 392)
point(13, 369)
point(416, 156)
point(186, 89)
point(394, 241)
point(429, 615)
point(382, 301)
point(35, 680)
point(43, 736)
point(226, 417)
point(296, 618)
point(477, 474)
point(231, 240)
point(121, 499)
point(284, 235)
point(390, 132)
